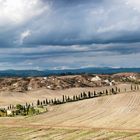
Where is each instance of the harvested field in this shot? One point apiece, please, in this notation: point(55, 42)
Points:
point(7, 98)
point(108, 117)
point(64, 134)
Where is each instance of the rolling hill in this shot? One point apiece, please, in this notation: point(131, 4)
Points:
point(108, 117)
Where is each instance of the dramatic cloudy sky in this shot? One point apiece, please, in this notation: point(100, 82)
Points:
point(59, 34)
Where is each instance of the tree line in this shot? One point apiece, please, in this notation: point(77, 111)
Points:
point(30, 109)
point(81, 96)
point(84, 95)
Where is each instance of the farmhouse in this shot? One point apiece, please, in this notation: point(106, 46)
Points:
point(11, 112)
point(95, 79)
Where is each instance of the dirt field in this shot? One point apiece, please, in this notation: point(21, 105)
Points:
point(7, 98)
point(113, 117)
point(64, 134)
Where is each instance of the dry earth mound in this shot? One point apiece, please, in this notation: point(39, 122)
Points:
point(65, 82)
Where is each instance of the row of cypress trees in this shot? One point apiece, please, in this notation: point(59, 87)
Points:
point(81, 96)
point(134, 87)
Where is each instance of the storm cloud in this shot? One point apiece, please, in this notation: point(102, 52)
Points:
point(41, 34)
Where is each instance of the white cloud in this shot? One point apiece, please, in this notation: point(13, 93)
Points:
point(24, 35)
point(18, 11)
point(135, 4)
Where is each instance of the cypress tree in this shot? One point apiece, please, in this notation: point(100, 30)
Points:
point(74, 98)
point(52, 101)
point(106, 92)
point(116, 89)
point(85, 95)
point(94, 93)
point(100, 93)
point(77, 98)
point(112, 90)
point(12, 106)
point(81, 96)
point(55, 101)
point(131, 87)
point(38, 102)
point(49, 102)
point(46, 101)
point(41, 103)
point(63, 98)
point(119, 90)
point(68, 99)
point(24, 109)
point(58, 101)
point(137, 87)
point(28, 107)
point(26, 104)
point(89, 94)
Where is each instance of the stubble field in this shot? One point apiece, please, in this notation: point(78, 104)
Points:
point(109, 117)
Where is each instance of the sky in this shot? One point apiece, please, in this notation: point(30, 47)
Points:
point(69, 34)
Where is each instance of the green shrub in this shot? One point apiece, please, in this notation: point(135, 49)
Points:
point(19, 107)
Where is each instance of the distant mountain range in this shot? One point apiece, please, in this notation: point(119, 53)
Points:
point(30, 73)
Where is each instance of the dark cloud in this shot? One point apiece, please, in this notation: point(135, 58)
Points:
point(79, 30)
point(85, 24)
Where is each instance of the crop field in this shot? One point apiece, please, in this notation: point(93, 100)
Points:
point(113, 117)
point(64, 134)
point(8, 97)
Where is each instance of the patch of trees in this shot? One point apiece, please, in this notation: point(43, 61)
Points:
point(22, 110)
point(3, 113)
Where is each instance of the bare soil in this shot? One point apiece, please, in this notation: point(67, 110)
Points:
point(110, 117)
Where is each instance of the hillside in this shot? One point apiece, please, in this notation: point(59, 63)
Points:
point(110, 112)
point(8, 97)
point(108, 117)
point(20, 84)
point(112, 117)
